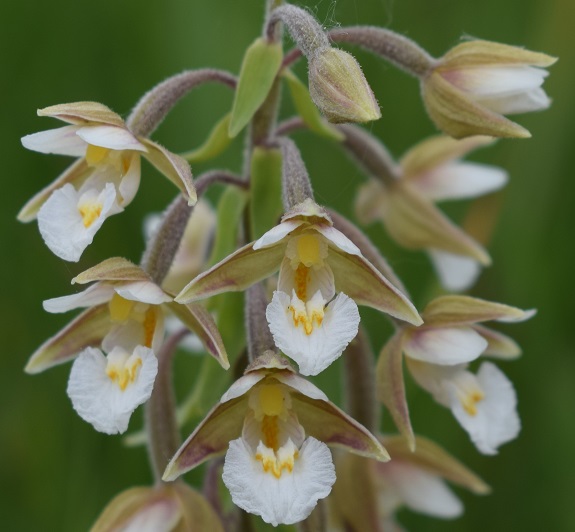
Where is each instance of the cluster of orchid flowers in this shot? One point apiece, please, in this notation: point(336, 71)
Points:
point(272, 424)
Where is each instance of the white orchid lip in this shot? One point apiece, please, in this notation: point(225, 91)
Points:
point(106, 390)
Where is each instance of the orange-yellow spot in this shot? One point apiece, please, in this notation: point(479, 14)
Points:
point(469, 402)
point(96, 154)
point(124, 375)
point(301, 317)
point(270, 432)
point(125, 164)
point(301, 280)
point(150, 320)
point(90, 212)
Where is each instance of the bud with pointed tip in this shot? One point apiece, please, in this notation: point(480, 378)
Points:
point(477, 82)
point(339, 88)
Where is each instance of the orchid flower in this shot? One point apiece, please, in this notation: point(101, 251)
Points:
point(273, 427)
point(430, 172)
point(438, 354)
point(101, 182)
point(315, 261)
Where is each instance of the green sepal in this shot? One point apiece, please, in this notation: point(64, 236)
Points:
point(260, 66)
point(266, 190)
point(307, 109)
point(217, 142)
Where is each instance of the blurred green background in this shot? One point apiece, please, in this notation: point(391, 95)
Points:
point(56, 472)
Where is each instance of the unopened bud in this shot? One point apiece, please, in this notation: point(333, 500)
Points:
point(477, 82)
point(339, 88)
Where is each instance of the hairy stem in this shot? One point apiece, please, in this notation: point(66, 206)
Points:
point(153, 107)
point(259, 337)
point(295, 179)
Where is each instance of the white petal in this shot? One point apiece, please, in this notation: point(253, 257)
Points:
point(458, 180)
point(445, 345)
point(496, 420)
point(433, 378)
point(130, 181)
point(456, 272)
point(275, 234)
point(242, 385)
point(100, 401)
point(301, 385)
point(112, 137)
point(499, 81)
point(143, 291)
point(321, 279)
point(94, 295)
point(287, 500)
point(315, 351)
point(338, 239)
point(533, 100)
point(61, 224)
point(422, 491)
point(62, 141)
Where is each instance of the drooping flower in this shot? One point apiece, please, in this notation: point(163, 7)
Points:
point(370, 493)
point(101, 182)
point(477, 82)
point(315, 261)
point(438, 354)
point(432, 171)
point(125, 309)
point(274, 426)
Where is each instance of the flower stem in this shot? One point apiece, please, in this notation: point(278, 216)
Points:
point(259, 338)
point(359, 375)
point(161, 425)
point(153, 107)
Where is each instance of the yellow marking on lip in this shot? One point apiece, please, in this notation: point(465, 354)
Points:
point(124, 375)
point(469, 402)
point(120, 308)
point(306, 321)
point(150, 321)
point(308, 250)
point(301, 280)
point(90, 212)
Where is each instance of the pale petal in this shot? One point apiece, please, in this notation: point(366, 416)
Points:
point(433, 378)
point(496, 421)
point(422, 491)
point(131, 333)
point(277, 233)
point(101, 402)
point(444, 345)
point(456, 272)
point(315, 351)
point(460, 180)
point(62, 141)
point(130, 181)
point(286, 500)
point(338, 239)
point(94, 295)
point(242, 385)
point(112, 137)
point(61, 224)
point(161, 516)
point(143, 291)
point(485, 81)
point(533, 100)
point(303, 386)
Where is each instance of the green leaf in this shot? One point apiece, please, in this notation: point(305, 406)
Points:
point(217, 142)
point(266, 188)
point(259, 69)
point(308, 110)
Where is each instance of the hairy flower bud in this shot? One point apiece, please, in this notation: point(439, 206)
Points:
point(477, 82)
point(339, 88)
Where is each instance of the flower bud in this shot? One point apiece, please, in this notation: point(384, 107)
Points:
point(477, 82)
point(339, 88)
